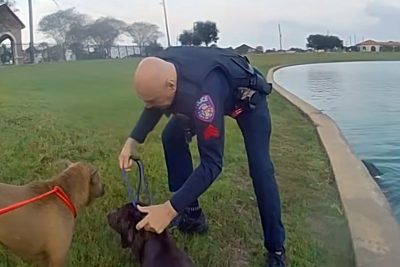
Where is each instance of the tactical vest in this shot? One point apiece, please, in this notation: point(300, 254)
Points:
point(194, 63)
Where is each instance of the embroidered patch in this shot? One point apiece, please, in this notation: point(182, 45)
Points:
point(211, 132)
point(205, 109)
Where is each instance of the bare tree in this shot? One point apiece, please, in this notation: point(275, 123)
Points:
point(104, 31)
point(63, 26)
point(144, 33)
point(58, 24)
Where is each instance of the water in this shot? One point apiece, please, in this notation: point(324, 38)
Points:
point(364, 100)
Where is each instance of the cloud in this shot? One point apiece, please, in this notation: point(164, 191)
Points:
point(387, 18)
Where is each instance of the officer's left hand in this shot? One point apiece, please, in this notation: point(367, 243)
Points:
point(158, 217)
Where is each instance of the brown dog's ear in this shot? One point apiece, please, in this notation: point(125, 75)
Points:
point(93, 173)
point(62, 164)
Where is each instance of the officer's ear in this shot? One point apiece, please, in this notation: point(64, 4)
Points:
point(171, 85)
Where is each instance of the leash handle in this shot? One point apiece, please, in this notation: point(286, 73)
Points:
point(145, 182)
point(124, 174)
point(141, 176)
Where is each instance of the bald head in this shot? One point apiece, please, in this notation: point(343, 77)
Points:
point(154, 82)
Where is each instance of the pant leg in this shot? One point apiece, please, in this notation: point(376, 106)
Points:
point(177, 154)
point(256, 129)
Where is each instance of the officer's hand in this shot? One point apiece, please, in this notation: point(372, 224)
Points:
point(129, 149)
point(158, 217)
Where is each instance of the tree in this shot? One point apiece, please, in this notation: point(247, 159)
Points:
point(259, 49)
point(59, 24)
point(10, 4)
point(104, 31)
point(324, 42)
point(296, 49)
point(189, 38)
point(64, 26)
point(144, 33)
point(206, 31)
point(186, 37)
point(153, 48)
point(56, 53)
point(77, 33)
point(197, 39)
point(76, 38)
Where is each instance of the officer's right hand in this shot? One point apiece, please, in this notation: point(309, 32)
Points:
point(128, 151)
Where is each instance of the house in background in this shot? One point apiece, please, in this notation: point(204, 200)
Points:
point(244, 49)
point(375, 46)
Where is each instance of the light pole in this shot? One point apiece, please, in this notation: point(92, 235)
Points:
point(280, 36)
point(166, 22)
point(31, 42)
point(32, 56)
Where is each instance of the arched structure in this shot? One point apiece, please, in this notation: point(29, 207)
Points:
point(10, 28)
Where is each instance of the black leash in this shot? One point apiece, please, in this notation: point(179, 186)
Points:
point(141, 177)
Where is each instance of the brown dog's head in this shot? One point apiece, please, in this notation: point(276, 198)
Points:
point(96, 187)
point(82, 183)
point(123, 220)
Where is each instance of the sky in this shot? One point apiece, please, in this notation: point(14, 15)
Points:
point(253, 22)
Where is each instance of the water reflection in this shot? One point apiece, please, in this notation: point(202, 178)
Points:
point(364, 99)
point(325, 85)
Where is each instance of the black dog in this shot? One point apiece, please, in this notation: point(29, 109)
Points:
point(150, 249)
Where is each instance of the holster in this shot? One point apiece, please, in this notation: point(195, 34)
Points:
point(187, 126)
point(250, 89)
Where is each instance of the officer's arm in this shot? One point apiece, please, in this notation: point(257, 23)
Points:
point(209, 122)
point(146, 123)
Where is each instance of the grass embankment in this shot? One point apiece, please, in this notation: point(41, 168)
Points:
point(85, 110)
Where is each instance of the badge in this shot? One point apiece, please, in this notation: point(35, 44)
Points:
point(205, 109)
point(211, 132)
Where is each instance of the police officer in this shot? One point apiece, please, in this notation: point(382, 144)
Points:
point(196, 87)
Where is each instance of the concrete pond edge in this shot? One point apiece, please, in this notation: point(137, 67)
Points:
point(375, 233)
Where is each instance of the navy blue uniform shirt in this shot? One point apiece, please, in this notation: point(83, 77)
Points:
point(206, 113)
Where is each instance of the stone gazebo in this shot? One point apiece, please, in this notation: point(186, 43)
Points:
point(10, 28)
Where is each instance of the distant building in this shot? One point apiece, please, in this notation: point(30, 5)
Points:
point(375, 46)
point(10, 28)
point(244, 49)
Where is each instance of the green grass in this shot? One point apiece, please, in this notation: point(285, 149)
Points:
point(85, 110)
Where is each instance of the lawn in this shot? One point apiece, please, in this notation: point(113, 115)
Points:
point(85, 110)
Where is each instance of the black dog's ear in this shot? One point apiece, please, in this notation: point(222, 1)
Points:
point(127, 234)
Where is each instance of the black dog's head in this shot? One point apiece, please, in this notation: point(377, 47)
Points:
point(123, 220)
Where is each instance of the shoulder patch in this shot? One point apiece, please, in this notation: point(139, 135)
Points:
point(205, 109)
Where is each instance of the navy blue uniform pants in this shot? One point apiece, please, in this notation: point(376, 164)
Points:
point(255, 126)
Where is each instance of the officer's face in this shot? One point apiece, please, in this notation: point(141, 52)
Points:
point(157, 102)
point(161, 97)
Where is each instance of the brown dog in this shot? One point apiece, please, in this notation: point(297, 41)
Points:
point(150, 249)
point(41, 232)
